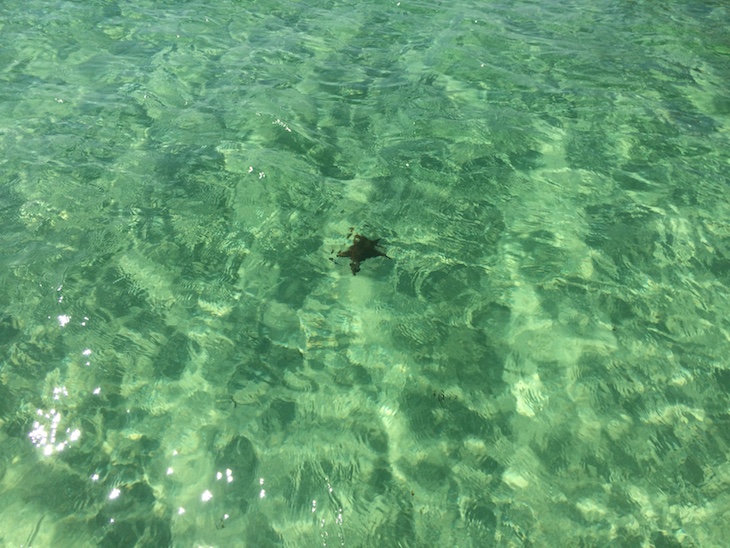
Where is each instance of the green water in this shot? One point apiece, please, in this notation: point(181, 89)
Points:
point(543, 361)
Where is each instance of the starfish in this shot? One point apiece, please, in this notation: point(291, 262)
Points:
point(362, 248)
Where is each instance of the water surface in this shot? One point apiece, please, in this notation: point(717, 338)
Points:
point(186, 362)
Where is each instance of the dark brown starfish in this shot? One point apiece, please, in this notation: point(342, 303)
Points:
point(362, 248)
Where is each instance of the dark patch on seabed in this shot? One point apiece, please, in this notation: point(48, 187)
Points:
point(362, 248)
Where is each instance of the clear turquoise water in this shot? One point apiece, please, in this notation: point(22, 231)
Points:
point(186, 362)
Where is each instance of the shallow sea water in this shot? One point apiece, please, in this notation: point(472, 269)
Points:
point(542, 362)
